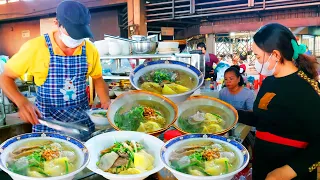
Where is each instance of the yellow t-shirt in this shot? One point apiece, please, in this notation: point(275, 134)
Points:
point(34, 58)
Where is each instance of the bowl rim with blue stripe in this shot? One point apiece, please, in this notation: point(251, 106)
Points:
point(196, 71)
point(214, 138)
point(45, 135)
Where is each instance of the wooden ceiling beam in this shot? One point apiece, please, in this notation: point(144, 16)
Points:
point(26, 9)
point(253, 26)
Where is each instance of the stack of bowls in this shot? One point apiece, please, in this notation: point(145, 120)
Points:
point(168, 48)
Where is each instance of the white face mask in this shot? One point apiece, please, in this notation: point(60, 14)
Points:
point(263, 68)
point(69, 42)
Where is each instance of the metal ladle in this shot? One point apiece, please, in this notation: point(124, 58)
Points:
point(73, 130)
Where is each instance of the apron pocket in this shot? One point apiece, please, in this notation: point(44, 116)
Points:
point(69, 114)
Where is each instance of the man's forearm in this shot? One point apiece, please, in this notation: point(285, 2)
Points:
point(10, 88)
point(101, 89)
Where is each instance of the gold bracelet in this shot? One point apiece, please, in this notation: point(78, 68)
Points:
point(314, 166)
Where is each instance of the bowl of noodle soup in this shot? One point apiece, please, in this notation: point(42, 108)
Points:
point(175, 80)
point(47, 156)
point(206, 115)
point(142, 111)
point(204, 156)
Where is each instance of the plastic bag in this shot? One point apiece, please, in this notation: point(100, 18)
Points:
point(4, 58)
point(245, 174)
point(3, 61)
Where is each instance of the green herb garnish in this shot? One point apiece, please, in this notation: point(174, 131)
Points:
point(227, 168)
point(130, 120)
point(67, 167)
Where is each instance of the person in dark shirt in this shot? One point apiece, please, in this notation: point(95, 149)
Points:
point(285, 112)
point(209, 58)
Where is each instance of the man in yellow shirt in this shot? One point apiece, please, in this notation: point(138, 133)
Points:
point(60, 62)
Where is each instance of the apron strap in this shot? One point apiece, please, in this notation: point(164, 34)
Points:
point(48, 41)
point(84, 51)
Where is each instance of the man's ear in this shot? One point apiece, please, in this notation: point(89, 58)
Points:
point(56, 23)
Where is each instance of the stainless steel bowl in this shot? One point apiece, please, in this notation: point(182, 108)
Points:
point(144, 47)
point(139, 38)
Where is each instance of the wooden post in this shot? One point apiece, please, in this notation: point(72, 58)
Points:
point(210, 43)
point(137, 22)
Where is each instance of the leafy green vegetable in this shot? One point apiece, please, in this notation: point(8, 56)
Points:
point(191, 128)
point(43, 173)
point(160, 75)
point(181, 168)
point(100, 114)
point(40, 170)
point(196, 156)
point(35, 159)
point(140, 148)
point(196, 159)
point(130, 120)
point(129, 164)
point(15, 169)
point(67, 166)
point(227, 167)
point(217, 115)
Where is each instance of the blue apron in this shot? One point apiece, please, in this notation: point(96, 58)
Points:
point(63, 95)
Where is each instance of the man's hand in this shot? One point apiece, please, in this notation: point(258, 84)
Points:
point(283, 173)
point(102, 90)
point(105, 105)
point(28, 112)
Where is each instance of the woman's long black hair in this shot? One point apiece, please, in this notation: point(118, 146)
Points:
point(236, 70)
point(278, 37)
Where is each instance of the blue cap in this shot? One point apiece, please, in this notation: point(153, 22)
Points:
point(75, 18)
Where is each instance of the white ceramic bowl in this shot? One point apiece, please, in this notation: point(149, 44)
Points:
point(173, 45)
point(102, 47)
point(13, 143)
point(131, 97)
point(119, 92)
point(171, 145)
point(98, 143)
point(193, 104)
point(114, 48)
point(98, 121)
point(165, 64)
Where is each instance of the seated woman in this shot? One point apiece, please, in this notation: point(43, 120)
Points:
point(235, 93)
